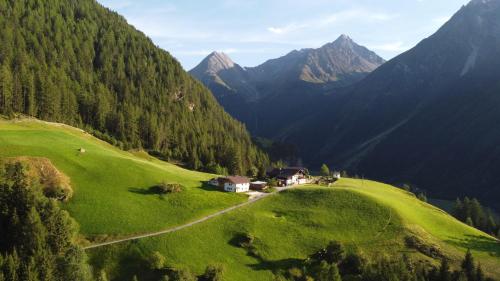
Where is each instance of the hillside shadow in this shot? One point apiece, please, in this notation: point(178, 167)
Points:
point(150, 191)
point(277, 265)
point(240, 239)
point(143, 191)
point(478, 243)
point(208, 187)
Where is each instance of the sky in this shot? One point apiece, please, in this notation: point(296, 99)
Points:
point(253, 31)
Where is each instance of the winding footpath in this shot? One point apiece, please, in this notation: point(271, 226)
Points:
point(177, 228)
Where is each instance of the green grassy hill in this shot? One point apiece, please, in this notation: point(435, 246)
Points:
point(111, 186)
point(365, 216)
point(111, 198)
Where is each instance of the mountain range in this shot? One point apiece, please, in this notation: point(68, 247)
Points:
point(427, 117)
point(266, 96)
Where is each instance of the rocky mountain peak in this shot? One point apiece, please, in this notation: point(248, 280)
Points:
point(216, 62)
point(344, 39)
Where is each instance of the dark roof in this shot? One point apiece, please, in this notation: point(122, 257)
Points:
point(287, 172)
point(238, 179)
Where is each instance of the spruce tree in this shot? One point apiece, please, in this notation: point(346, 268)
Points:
point(479, 273)
point(468, 266)
point(325, 171)
point(444, 270)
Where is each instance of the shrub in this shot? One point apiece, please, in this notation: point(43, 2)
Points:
point(182, 275)
point(214, 273)
point(166, 188)
point(420, 245)
point(156, 261)
point(272, 183)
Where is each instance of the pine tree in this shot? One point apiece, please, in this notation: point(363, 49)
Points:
point(444, 270)
point(325, 171)
point(6, 88)
point(468, 266)
point(479, 273)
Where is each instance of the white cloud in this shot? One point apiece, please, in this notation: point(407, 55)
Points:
point(335, 18)
point(287, 29)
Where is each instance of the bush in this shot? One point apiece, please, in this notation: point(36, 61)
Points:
point(272, 183)
point(182, 275)
point(214, 273)
point(166, 188)
point(418, 244)
point(156, 261)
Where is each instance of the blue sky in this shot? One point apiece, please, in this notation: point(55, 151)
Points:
point(253, 31)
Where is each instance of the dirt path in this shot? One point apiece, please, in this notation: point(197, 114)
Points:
point(177, 228)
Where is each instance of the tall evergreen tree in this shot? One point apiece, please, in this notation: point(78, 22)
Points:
point(468, 266)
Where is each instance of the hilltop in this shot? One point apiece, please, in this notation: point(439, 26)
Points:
point(370, 217)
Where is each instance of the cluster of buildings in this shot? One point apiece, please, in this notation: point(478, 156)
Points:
point(283, 177)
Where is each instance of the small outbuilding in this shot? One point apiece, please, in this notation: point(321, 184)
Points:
point(258, 185)
point(336, 175)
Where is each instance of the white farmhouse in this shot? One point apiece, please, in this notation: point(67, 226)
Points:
point(290, 176)
point(236, 184)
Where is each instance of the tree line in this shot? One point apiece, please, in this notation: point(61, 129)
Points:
point(471, 212)
point(79, 63)
point(332, 263)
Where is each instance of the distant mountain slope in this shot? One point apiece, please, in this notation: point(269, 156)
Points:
point(224, 77)
point(332, 62)
point(427, 117)
point(79, 63)
point(263, 96)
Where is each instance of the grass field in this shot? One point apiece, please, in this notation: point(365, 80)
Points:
point(111, 198)
point(111, 186)
point(366, 216)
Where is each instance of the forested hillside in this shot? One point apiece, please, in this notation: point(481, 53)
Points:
point(78, 63)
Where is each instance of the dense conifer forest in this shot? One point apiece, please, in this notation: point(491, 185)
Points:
point(38, 239)
point(76, 62)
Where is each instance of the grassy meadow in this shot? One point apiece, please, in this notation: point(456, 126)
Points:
point(112, 198)
point(365, 216)
point(111, 186)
